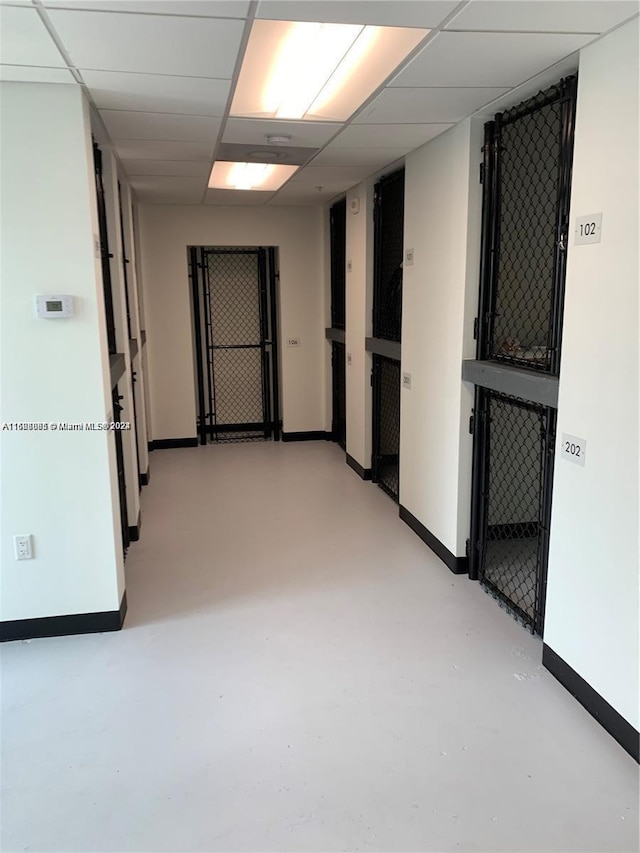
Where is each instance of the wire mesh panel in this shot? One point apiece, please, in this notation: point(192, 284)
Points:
point(527, 193)
point(338, 223)
point(235, 310)
point(104, 251)
point(386, 424)
point(388, 253)
point(517, 503)
point(339, 418)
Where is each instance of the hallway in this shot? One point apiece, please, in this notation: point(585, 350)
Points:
point(298, 672)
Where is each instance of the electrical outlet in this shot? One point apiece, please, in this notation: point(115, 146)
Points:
point(23, 546)
point(293, 342)
point(406, 380)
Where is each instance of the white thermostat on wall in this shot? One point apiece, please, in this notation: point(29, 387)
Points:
point(54, 307)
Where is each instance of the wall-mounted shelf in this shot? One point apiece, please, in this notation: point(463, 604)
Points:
point(537, 387)
point(117, 367)
point(336, 335)
point(380, 346)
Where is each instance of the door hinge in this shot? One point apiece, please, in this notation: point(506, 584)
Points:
point(472, 424)
point(475, 329)
point(481, 177)
point(467, 548)
point(371, 379)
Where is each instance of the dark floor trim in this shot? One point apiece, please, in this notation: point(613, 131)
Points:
point(62, 626)
point(458, 565)
point(599, 708)
point(311, 435)
point(168, 443)
point(144, 478)
point(365, 473)
point(134, 532)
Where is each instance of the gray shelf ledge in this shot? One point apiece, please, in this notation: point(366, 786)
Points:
point(379, 346)
point(537, 387)
point(117, 367)
point(336, 335)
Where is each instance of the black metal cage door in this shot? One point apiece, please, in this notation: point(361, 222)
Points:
point(514, 504)
point(527, 183)
point(386, 425)
point(339, 384)
point(234, 305)
point(338, 242)
point(388, 254)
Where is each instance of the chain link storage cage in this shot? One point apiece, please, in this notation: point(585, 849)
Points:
point(338, 239)
point(527, 181)
point(515, 503)
point(388, 209)
point(386, 425)
point(235, 308)
point(122, 484)
point(105, 255)
point(339, 385)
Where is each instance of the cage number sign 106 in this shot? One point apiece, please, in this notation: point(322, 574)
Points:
point(588, 228)
point(574, 449)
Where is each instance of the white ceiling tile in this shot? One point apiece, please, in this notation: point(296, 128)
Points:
point(391, 13)
point(255, 131)
point(302, 195)
point(117, 90)
point(540, 82)
point(426, 105)
point(164, 197)
point(486, 59)
point(199, 8)
point(388, 135)
point(145, 149)
point(341, 177)
point(560, 16)
point(374, 157)
point(167, 167)
point(164, 182)
point(123, 124)
point(155, 44)
point(24, 39)
point(237, 197)
point(31, 74)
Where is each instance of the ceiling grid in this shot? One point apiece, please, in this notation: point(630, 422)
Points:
point(161, 75)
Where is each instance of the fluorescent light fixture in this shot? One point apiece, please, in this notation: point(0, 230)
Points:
point(265, 177)
point(316, 71)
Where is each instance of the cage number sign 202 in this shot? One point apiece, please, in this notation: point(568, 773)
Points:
point(574, 449)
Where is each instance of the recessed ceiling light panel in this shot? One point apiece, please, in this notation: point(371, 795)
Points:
point(249, 176)
point(316, 71)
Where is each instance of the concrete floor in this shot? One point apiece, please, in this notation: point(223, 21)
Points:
point(298, 672)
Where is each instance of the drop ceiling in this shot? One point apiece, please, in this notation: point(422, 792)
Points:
point(161, 75)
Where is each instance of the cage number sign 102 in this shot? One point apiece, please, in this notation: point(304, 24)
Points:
point(574, 449)
point(588, 228)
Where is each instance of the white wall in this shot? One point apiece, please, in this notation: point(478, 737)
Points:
point(592, 595)
point(58, 486)
point(359, 302)
point(165, 233)
point(440, 291)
